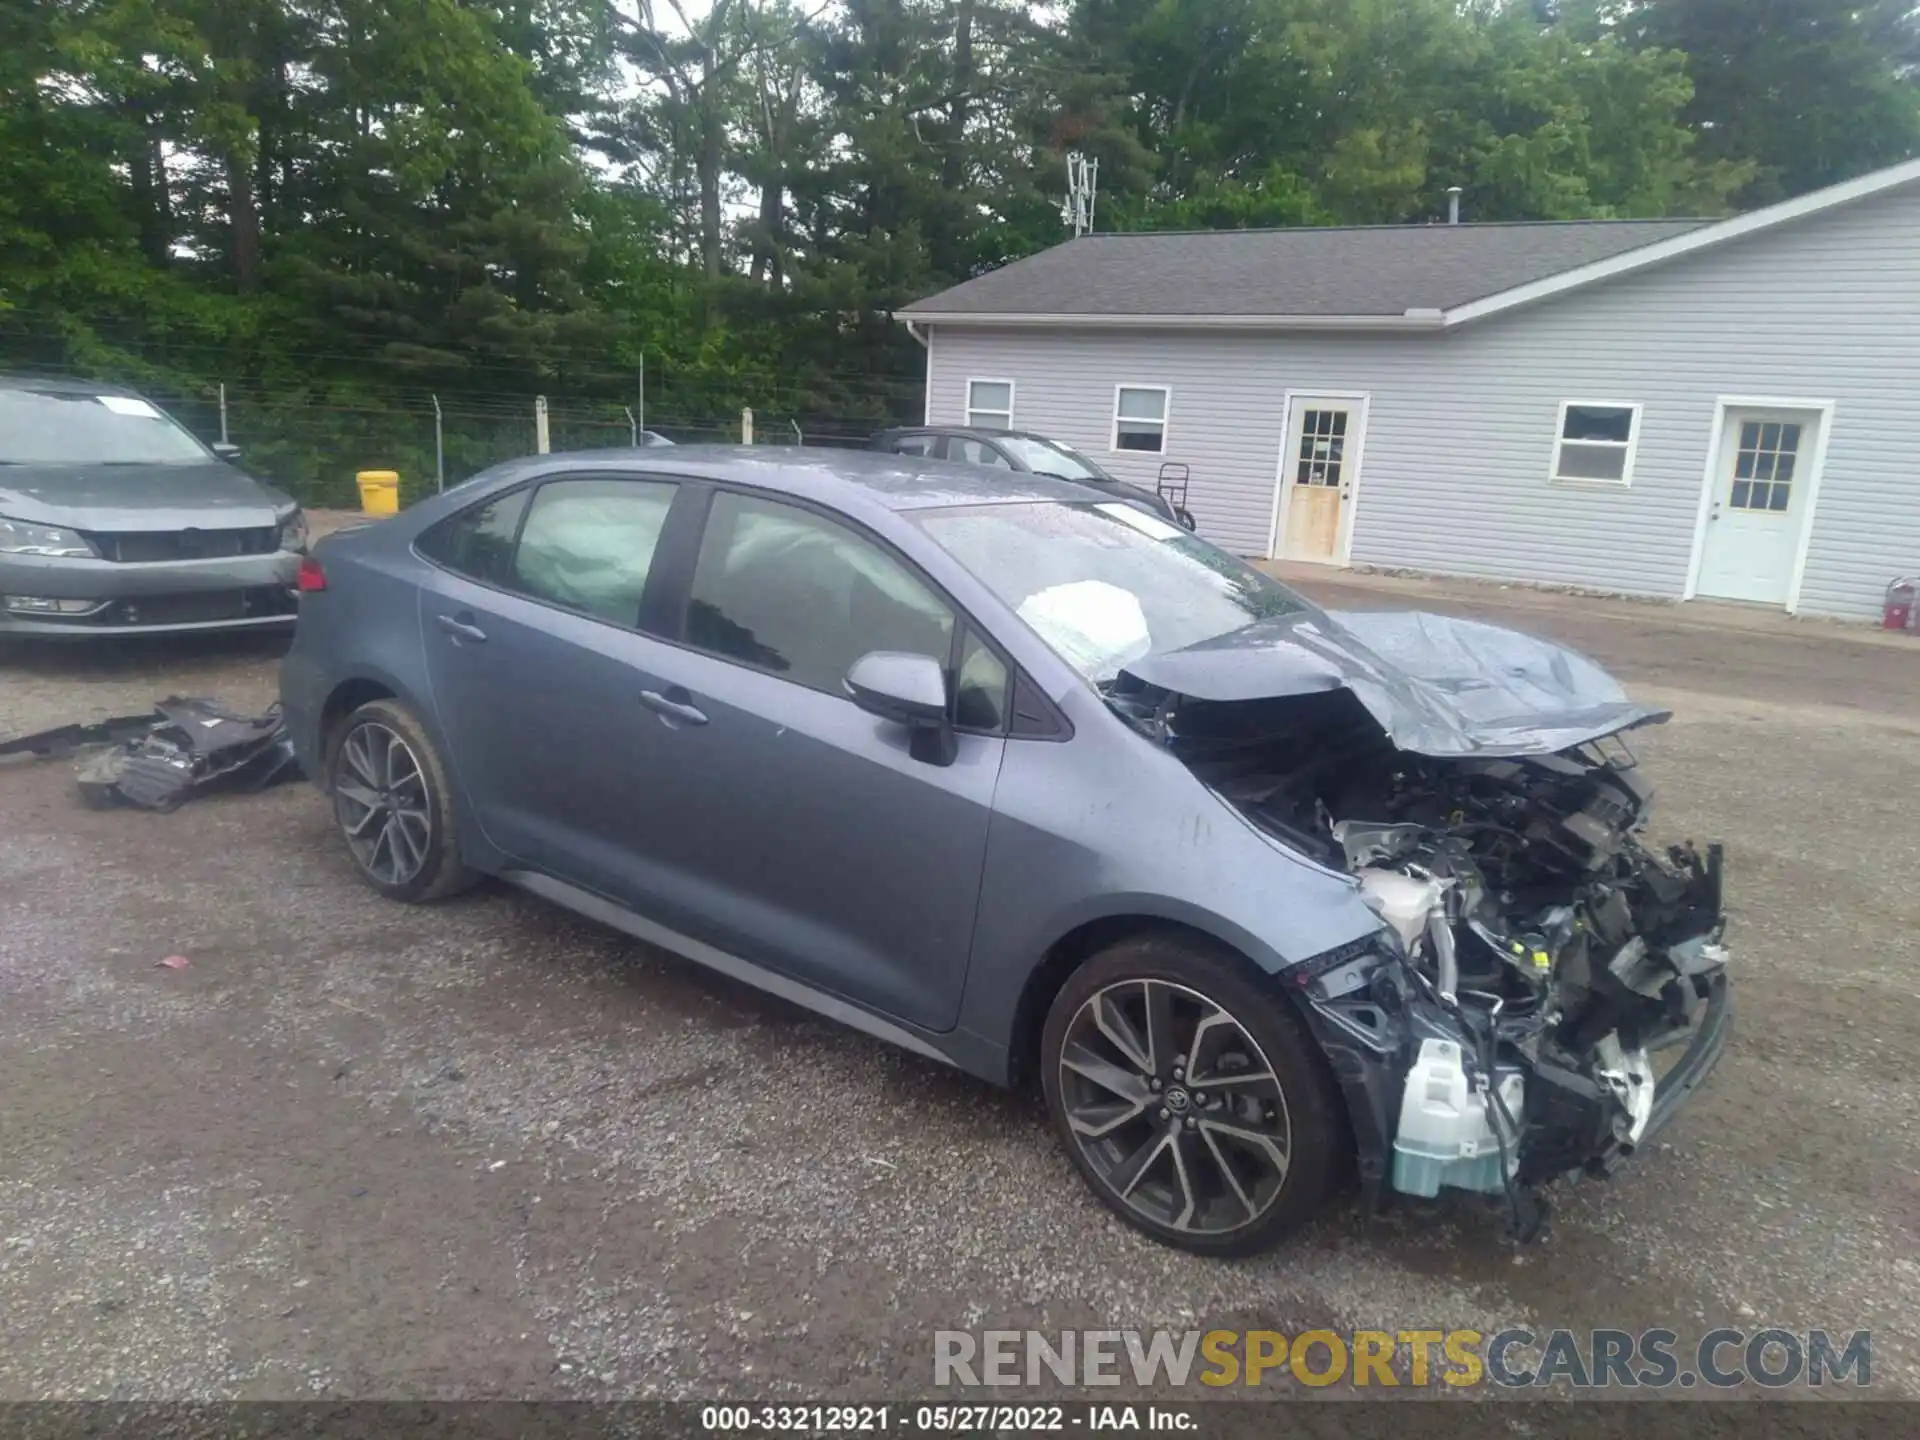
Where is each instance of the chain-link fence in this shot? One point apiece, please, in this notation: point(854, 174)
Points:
point(311, 437)
point(314, 449)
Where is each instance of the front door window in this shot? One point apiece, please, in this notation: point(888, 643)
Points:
point(1763, 469)
point(1323, 447)
point(791, 592)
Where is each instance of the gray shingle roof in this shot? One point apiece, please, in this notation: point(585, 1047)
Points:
point(1357, 271)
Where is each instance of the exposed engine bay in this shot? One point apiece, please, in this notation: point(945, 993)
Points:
point(1538, 962)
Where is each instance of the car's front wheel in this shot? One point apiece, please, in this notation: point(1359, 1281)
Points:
point(393, 804)
point(1192, 1100)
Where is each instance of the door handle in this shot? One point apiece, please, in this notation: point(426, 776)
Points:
point(461, 629)
point(676, 704)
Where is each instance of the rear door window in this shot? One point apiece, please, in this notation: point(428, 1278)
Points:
point(478, 542)
point(915, 444)
point(588, 545)
point(785, 590)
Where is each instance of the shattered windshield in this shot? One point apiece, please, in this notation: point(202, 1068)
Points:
point(70, 427)
point(1045, 457)
point(1105, 583)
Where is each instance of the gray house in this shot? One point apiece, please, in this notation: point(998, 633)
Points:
point(1676, 408)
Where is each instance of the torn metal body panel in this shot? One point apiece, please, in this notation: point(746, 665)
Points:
point(1545, 989)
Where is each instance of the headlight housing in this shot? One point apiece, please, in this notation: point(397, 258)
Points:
point(293, 532)
point(18, 537)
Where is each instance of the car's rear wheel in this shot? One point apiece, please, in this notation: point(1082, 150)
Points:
point(394, 806)
point(1192, 1101)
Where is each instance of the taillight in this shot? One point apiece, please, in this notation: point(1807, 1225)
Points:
point(310, 576)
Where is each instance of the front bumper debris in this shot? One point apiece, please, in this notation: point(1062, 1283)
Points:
point(159, 761)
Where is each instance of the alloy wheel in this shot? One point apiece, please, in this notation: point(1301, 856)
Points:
point(380, 799)
point(1175, 1107)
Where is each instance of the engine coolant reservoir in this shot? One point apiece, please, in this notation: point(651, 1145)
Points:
point(1444, 1136)
point(1401, 900)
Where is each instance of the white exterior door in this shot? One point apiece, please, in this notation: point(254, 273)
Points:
point(1319, 470)
point(1759, 505)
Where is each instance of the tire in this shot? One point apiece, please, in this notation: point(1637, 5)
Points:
point(1233, 1163)
point(1185, 517)
point(413, 854)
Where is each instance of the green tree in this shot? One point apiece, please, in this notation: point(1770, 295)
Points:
point(1366, 111)
point(1808, 92)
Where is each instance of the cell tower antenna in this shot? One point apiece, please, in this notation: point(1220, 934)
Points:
point(1083, 180)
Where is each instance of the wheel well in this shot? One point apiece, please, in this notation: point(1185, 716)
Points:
point(346, 698)
point(1076, 947)
point(1067, 955)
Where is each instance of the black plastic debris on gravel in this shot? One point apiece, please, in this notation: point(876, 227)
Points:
point(185, 747)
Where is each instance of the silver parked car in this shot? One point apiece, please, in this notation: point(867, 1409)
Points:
point(115, 521)
point(1044, 786)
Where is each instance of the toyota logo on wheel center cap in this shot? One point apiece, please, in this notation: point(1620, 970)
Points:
point(1178, 1100)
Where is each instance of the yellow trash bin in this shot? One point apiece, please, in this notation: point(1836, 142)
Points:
point(379, 492)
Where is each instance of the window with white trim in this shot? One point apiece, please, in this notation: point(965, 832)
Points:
point(1140, 418)
point(1596, 442)
point(990, 403)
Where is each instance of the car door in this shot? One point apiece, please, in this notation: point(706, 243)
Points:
point(530, 624)
point(788, 826)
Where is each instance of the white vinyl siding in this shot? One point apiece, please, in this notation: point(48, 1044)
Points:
point(1461, 432)
point(989, 404)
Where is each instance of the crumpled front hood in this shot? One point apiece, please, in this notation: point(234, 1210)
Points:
point(1437, 685)
point(211, 496)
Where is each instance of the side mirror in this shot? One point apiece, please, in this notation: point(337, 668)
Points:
point(909, 690)
point(224, 450)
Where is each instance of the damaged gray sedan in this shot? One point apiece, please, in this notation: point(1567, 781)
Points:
point(1049, 789)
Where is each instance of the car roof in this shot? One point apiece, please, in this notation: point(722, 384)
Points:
point(61, 384)
point(977, 432)
point(844, 479)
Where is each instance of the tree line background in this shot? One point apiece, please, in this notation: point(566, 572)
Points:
point(341, 209)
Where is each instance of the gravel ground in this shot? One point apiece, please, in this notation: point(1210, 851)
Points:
point(489, 1150)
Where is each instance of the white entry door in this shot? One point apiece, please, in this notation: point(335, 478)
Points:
point(1319, 469)
point(1759, 505)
